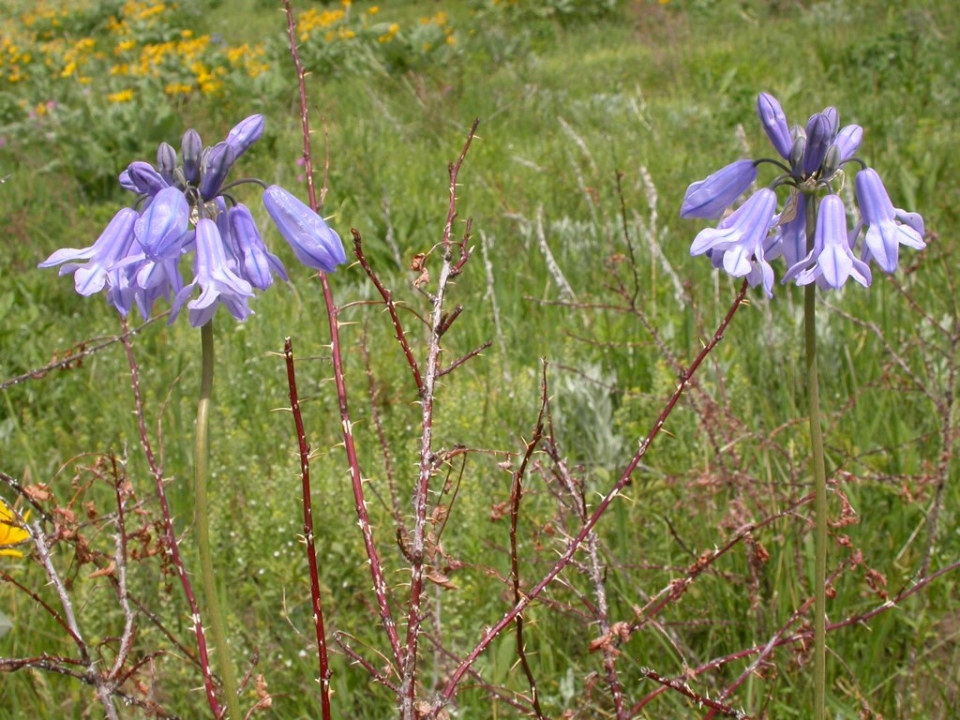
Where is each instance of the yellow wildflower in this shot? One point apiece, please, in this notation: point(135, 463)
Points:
point(373, 10)
point(120, 97)
point(390, 34)
point(12, 531)
point(235, 54)
point(178, 89)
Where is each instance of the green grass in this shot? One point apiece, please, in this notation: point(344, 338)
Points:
point(563, 108)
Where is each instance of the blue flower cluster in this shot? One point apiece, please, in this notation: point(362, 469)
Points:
point(183, 210)
point(813, 162)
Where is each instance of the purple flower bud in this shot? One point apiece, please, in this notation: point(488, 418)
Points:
point(775, 124)
point(245, 133)
point(887, 227)
point(819, 138)
point(710, 197)
point(161, 229)
point(126, 182)
point(833, 119)
point(314, 244)
point(214, 168)
point(144, 179)
point(190, 148)
point(166, 162)
point(848, 141)
point(799, 147)
point(257, 264)
point(831, 162)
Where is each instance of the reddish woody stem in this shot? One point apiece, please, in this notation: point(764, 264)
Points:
point(805, 635)
point(599, 608)
point(516, 494)
point(373, 555)
point(122, 491)
point(681, 687)
point(391, 308)
point(171, 535)
point(625, 479)
point(427, 458)
point(308, 536)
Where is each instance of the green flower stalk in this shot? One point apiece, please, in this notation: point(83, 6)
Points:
point(810, 232)
point(202, 510)
point(185, 219)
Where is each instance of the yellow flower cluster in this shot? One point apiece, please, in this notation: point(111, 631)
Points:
point(184, 65)
point(311, 20)
point(439, 20)
point(390, 34)
point(336, 24)
point(12, 60)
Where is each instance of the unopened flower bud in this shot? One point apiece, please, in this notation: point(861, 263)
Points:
point(775, 124)
point(190, 149)
point(313, 242)
point(144, 179)
point(799, 147)
point(819, 138)
point(214, 166)
point(831, 162)
point(245, 133)
point(166, 162)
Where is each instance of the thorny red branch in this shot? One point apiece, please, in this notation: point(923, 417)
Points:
point(427, 458)
point(391, 308)
point(516, 494)
point(599, 610)
point(308, 537)
point(624, 481)
point(73, 359)
point(171, 536)
point(370, 547)
point(804, 635)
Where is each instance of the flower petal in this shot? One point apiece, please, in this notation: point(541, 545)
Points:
point(313, 242)
point(886, 228)
point(161, 228)
point(245, 133)
point(708, 198)
point(775, 124)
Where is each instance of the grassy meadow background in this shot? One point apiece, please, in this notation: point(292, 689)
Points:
point(594, 118)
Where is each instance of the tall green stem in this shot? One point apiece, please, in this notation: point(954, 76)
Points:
point(820, 486)
point(200, 473)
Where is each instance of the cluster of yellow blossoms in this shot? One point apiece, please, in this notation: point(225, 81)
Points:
point(129, 52)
